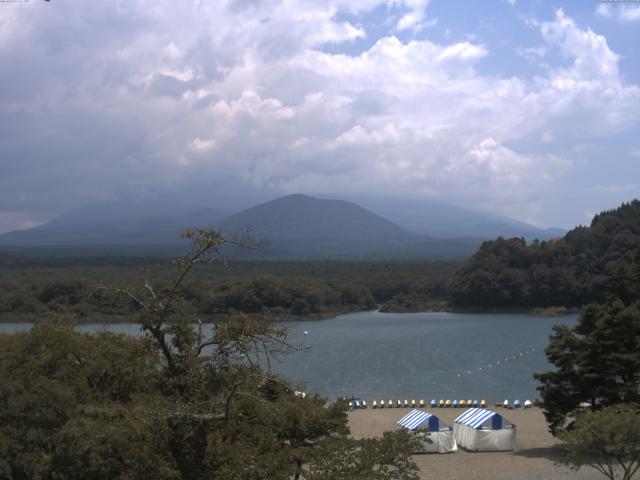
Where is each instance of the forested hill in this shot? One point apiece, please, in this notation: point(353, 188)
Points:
point(570, 272)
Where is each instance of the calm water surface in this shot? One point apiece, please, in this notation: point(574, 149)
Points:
point(410, 355)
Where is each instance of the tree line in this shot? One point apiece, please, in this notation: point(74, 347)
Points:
point(36, 288)
point(570, 272)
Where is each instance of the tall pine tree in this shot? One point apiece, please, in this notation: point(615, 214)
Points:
point(598, 360)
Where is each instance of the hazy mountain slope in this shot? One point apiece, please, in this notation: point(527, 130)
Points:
point(449, 221)
point(69, 230)
point(295, 227)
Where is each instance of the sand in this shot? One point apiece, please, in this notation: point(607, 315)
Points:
point(534, 458)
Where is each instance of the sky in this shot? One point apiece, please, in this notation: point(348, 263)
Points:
point(525, 108)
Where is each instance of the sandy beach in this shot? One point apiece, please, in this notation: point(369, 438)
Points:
point(534, 457)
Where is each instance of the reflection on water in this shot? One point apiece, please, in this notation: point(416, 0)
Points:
point(410, 355)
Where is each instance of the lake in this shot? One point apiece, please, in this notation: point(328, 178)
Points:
point(427, 356)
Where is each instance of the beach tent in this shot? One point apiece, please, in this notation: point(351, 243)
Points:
point(440, 434)
point(484, 430)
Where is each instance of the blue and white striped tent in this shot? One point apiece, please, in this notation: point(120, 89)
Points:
point(484, 430)
point(428, 426)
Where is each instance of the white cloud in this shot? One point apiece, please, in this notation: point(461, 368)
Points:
point(415, 17)
point(629, 13)
point(623, 13)
point(200, 146)
point(243, 93)
point(533, 54)
point(604, 10)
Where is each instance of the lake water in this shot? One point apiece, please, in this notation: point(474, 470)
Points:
point(427, 356)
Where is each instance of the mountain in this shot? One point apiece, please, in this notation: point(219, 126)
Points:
point(568, 272)
point(303, 217)
point(300, 226)
point(294, 226)
point(78, 229)
point(303, 227)
point(440, 220)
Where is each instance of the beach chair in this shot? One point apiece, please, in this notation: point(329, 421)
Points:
point(462, 403)
point(441, 403)
point(483, 404)
point(398, 403)
point(364, 404)
point(468, 403)
point(454, 404)
point(475, 404)
point(447, 404)
point(374, 404)
point(498, 404)
point(421, 404)
point(528, 404)
point(516, 404)
point(356, 404)
point(406, 404)
point(413, 404)
point(350, 405)
point(390, 404)
point(381, 403)
point(433, 403)
point(506, 404)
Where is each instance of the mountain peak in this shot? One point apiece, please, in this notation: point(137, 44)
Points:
point(302, 216)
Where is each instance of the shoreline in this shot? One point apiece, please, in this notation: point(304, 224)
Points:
point(215, 317)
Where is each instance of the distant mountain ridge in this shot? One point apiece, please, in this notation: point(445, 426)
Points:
point(440, 220)
point(160, 230)
point(295, 226)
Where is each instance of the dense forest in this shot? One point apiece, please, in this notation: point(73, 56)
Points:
point(33, 288)
point(568, 272)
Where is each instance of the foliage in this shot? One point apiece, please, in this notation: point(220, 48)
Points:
point(387, 459)
point(174, 404)
point(608, 440)
point(33, 288)
point(598, 360)
point(568, 272)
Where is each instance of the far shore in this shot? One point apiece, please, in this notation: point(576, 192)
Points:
point(282, 317)
point(535, 457)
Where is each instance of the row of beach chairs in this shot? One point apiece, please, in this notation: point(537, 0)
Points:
point(437, 404)
point(515, 404)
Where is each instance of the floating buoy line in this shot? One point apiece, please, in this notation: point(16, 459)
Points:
point(509, 359)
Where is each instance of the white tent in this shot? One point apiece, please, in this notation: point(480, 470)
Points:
point(484, 430)
point(423, 423)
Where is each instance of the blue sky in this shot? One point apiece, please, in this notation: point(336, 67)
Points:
point(525, 108)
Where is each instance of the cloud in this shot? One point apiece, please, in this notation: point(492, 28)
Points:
point(142, 96)
point(415, 17)
point(622, 13)
point(533, 54)
point(604, 10)
point(629, 13)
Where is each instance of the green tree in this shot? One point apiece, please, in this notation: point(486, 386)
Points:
point(598, 360)
point(388, 458)
point(607, 440)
